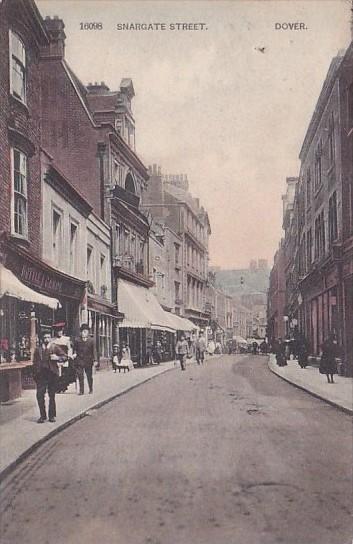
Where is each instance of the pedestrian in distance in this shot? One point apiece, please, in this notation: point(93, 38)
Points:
point(116, 357)
point(280, 352)
point(158, 353)
point(211, 347)
point(85, 357)
point(328, 364)
point(46, 375)
point(263, 347)
point(200, 348)
point(182, 350)
point(302, 350)
point(126, 358)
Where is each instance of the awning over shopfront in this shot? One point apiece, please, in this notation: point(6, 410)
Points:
point(11, 286)
point(141, 308)
point(240, 339)
point(181, 323)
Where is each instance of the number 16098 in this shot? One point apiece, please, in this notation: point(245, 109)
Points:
point(91, 26)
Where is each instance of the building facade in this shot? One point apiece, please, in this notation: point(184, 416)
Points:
point(168, 199)
point(318, 220)
point(276, 298)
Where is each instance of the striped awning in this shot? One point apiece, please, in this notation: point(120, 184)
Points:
point(141, 308)
point(11, 286)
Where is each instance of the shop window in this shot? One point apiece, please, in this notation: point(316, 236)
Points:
point(73, 247)
point(332, 218)
point(19, 182)
point(57, 237)
point(18, 67)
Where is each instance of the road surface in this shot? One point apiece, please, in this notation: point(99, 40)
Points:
point(226, 453)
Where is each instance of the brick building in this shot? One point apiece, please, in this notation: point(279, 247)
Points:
point(33, 292)
point(276, 298)
point(90, 131)
point(318, 222)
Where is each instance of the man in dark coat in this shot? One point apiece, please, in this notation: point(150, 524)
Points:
point(85, 356)
point(46, 375)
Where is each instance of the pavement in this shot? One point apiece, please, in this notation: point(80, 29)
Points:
point(339, 394)
point(223, 453)
point(21, 435)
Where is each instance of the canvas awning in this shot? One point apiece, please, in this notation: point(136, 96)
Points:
point(141, 308)
point(181, 323)
point(240, 339)
point(11, 286)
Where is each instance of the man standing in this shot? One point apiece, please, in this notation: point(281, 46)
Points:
point(200, 348)
point(182, 350)
point(46, 374)
point(85, 356)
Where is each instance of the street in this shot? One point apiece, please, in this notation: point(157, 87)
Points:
point(225, 453)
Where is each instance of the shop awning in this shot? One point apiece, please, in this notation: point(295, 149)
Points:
point(141, 308)
point(181, 323)
point(11, 286)
point(240, 339)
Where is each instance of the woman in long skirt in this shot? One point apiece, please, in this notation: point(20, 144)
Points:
point(328, 363)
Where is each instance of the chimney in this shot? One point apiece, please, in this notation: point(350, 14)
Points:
point(97, 88)
point(55, 28)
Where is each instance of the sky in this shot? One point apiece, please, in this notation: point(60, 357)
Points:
point(228, 105)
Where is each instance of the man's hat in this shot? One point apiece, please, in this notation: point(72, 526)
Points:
point(84, 327)
point(59, 326)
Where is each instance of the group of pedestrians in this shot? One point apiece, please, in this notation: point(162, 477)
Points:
point(57, 363)
point(183, 352)
point(299, 348)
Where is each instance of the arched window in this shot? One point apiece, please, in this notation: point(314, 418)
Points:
point(129, 184)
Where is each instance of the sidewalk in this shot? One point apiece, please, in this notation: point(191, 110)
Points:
point(339, 394)
point(19, 432)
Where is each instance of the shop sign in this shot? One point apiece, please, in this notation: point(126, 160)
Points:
point(46, 282)
point(40, 279)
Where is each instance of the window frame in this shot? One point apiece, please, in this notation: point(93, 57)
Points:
point(57, 257)
point(73, 251)
point(22, 63)
point(14, 192)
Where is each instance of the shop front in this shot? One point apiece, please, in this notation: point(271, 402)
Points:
point(103, 320)
point(19, 329)
point(348, 313)
point(33, 297)
point(145, 322)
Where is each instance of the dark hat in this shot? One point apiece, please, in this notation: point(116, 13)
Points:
point(84, 327)
point(59, 326)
